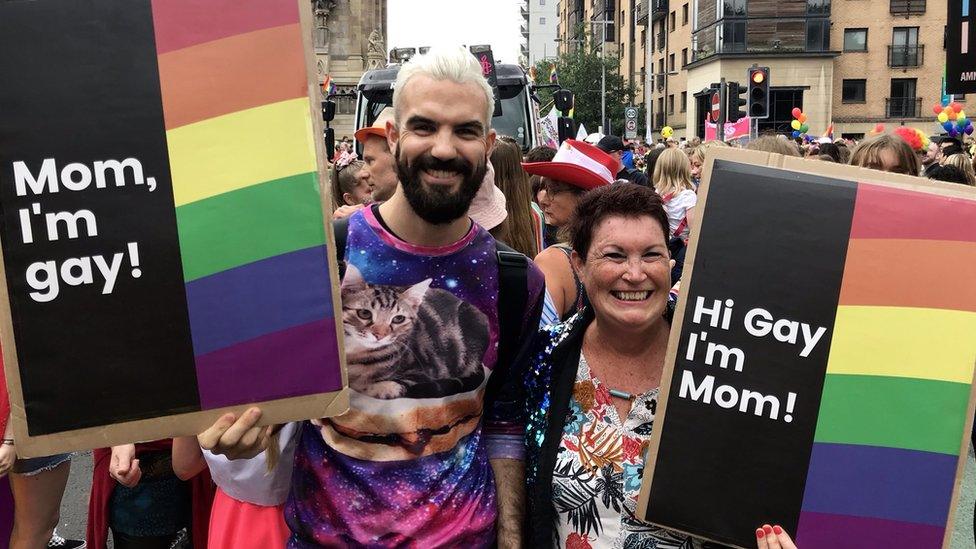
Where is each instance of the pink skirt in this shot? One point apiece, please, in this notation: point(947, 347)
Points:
point(238, 525)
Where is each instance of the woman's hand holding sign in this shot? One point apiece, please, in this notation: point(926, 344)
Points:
point(236, 437)
point(124, 467)
point(773, 537)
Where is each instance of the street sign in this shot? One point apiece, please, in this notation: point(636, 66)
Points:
point(716, 106)
point(630, 123)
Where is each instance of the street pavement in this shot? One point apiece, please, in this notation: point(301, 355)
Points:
point(74, 507)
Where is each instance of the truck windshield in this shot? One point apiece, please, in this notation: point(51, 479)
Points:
point(513, 122)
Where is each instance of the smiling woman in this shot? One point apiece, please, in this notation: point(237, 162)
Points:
point(594, 389)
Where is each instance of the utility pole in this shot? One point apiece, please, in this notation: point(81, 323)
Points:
point(603, 73)
point(723, 112)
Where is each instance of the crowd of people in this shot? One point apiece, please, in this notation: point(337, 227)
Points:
point(492, 401)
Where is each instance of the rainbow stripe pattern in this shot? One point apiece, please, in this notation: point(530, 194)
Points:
point(240, 139)
point(882, 469)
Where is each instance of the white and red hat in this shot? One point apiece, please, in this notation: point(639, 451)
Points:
point(578, 164)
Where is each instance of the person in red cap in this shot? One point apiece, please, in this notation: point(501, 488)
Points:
point(576, 168)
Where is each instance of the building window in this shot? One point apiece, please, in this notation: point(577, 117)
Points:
point(542, 20)
point(907, 7)
point(902, 103)
point(671, 63)
point(542, 2)
point(854, 91)
point(905, 51)
point(855, 39)
point(671, 29)
point(644, 37)
point(346, 104)
point(684, 101)
point(660, 66)
point(671, 104)
point(818, 34)
point(733, 36)
point(660, 104)
point(818, 7)
point(734, 8)
point(684, 57)
point(684, 15)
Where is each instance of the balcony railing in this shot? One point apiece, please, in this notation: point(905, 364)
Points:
point(659, 9)
point(907, 7)
point(903, 107)
point(906, 56)
point(643, 8)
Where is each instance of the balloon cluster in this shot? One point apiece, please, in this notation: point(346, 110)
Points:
point(916, 139)
point(799, 124)
point(953, 119)
point(667, 131)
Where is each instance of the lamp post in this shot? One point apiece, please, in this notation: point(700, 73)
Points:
point(603, 73)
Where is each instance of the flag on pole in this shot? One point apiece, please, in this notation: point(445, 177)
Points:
point(328, 86)
point(581, 133)
point(550, 132)
point(553, 77)
point(830, 131)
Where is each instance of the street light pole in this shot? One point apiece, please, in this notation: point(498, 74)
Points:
point(603, 74)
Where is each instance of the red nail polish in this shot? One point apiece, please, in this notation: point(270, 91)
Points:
point(760, 534)
point(777, 530)
point(767, 528)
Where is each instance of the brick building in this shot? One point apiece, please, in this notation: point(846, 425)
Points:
point(853, 63)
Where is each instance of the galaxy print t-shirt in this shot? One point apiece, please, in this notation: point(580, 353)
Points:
point(408, 464)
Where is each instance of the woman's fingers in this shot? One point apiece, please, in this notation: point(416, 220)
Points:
point(772, 540)
point(783, 538)
point(761, 542)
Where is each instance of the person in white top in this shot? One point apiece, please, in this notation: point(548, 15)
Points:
point(672, 180)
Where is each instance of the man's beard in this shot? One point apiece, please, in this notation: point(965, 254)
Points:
point(434, 204)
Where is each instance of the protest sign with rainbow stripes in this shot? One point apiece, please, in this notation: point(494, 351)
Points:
point(184, 150)
point(822, 358)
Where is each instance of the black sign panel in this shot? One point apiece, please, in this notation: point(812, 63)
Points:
point(960, 48)
point(725, 378)
point(487, 60)
point(70, 180)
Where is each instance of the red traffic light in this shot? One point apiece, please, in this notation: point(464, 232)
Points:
point(758, 77)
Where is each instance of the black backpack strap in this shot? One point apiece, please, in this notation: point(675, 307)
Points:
point(513, 295)
point(340, 228)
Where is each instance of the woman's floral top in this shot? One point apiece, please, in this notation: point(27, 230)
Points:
point(599, 468)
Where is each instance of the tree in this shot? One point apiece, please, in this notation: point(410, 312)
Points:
point(579, 70)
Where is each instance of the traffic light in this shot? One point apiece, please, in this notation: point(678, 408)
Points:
point(735, 102)
point(759, 92)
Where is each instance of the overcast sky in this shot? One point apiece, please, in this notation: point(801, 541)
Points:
point(416, 23)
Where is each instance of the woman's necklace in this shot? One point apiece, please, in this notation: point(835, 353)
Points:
point(621, 394)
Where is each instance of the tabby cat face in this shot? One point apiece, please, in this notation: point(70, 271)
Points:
point(375, 316)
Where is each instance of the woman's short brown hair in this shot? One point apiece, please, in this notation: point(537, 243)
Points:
point(620, 199)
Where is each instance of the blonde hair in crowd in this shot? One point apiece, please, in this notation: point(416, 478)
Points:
point(456, 65)
point(868, 154)
point(672, 173)
point(774, 144)
point(962, 162)
point(514, 183)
